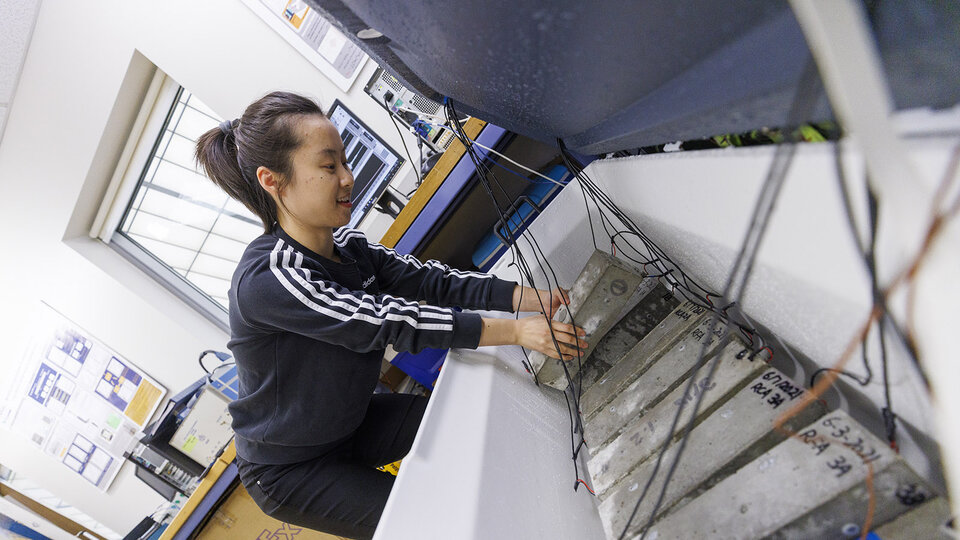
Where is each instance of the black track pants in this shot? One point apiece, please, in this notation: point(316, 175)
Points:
point(340, 492)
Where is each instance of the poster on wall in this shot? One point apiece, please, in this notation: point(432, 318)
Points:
point(314, 37)
point(77, 400)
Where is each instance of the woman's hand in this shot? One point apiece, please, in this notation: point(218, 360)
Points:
point(527, 299)
point(534, 333)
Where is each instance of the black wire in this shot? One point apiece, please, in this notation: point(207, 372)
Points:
point(420, 161)
point(685, 285)
point(864, 381)
point(593, 235)
point(416, 170)
point(656, 252)
point(803, 101)
point(200, 360)
point(868, 254)
point(484, 176)
point(889, 417)
point(902, 336)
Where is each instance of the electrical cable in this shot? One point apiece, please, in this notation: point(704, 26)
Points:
point(416, 170)
point(864, 381)
point(487, 148)
point(905, 277)
point(485, 175)
point(597, 197)
point(866, 250)
point(802, 103)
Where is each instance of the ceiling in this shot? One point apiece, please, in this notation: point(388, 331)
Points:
point(17, 19)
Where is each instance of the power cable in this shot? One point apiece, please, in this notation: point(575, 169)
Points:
point(485, 175)
point(416, 168)
point(804, 98)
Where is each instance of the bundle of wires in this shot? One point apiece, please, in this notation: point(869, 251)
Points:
point(629, 241)
point(621, 235)
point(489, 180)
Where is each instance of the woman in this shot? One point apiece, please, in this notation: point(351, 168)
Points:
point(312, 307)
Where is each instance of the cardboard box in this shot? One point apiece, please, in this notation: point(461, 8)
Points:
point(239, 518)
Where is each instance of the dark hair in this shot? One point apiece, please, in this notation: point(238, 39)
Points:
point(265, 135)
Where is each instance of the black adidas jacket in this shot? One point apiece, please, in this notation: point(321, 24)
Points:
point(308, 334)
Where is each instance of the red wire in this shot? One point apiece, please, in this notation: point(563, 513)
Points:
point(586, 486)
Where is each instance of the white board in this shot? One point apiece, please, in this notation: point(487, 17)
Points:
point(314, 37)
point(77, 400)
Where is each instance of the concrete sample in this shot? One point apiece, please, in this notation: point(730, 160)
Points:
point(639, 358)
point(660, 378)
point(737, 432)
point(644, 435)
point(656, 302)
point(928, 520)
point(809, 486)
point(601, 293)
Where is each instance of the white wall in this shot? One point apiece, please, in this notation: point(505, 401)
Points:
point(56, 139)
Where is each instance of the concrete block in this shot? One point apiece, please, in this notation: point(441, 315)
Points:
point(809, 486)
point(600, 294)
point(659, 379)
point(640, 357)
point(740, 430)
point(644, 435)
point(928, 520)
point(656, 302)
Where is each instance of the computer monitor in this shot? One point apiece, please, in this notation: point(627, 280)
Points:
point(373, 163)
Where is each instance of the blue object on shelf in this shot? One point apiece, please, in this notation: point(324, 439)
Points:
point(446, 198)
point(159, 532)
point(423, 367)
point(523, 211)
point(226, 381)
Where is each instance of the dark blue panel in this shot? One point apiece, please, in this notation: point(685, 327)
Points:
point(461, 177)
point(610, 75)
point(209, 501)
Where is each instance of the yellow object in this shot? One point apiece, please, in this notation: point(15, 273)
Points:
point(142, 403)
point(188, 507)
point(392, 468)
point(190, 444)
point(430, 185)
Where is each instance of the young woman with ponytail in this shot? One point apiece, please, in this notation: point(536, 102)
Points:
point(313, 304)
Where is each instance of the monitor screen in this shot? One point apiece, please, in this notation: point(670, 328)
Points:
point(373, 163)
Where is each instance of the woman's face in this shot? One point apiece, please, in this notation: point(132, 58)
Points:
point(318, 194)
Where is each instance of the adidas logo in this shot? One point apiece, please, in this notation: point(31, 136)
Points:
point(369, 281)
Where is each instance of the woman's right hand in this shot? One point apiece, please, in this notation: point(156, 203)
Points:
point(534, 333)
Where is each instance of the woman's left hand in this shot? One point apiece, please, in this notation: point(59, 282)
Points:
point(540, 300)
point(558, 297)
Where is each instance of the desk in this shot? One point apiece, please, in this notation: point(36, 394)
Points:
point(431, 184)
point(218, 480)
